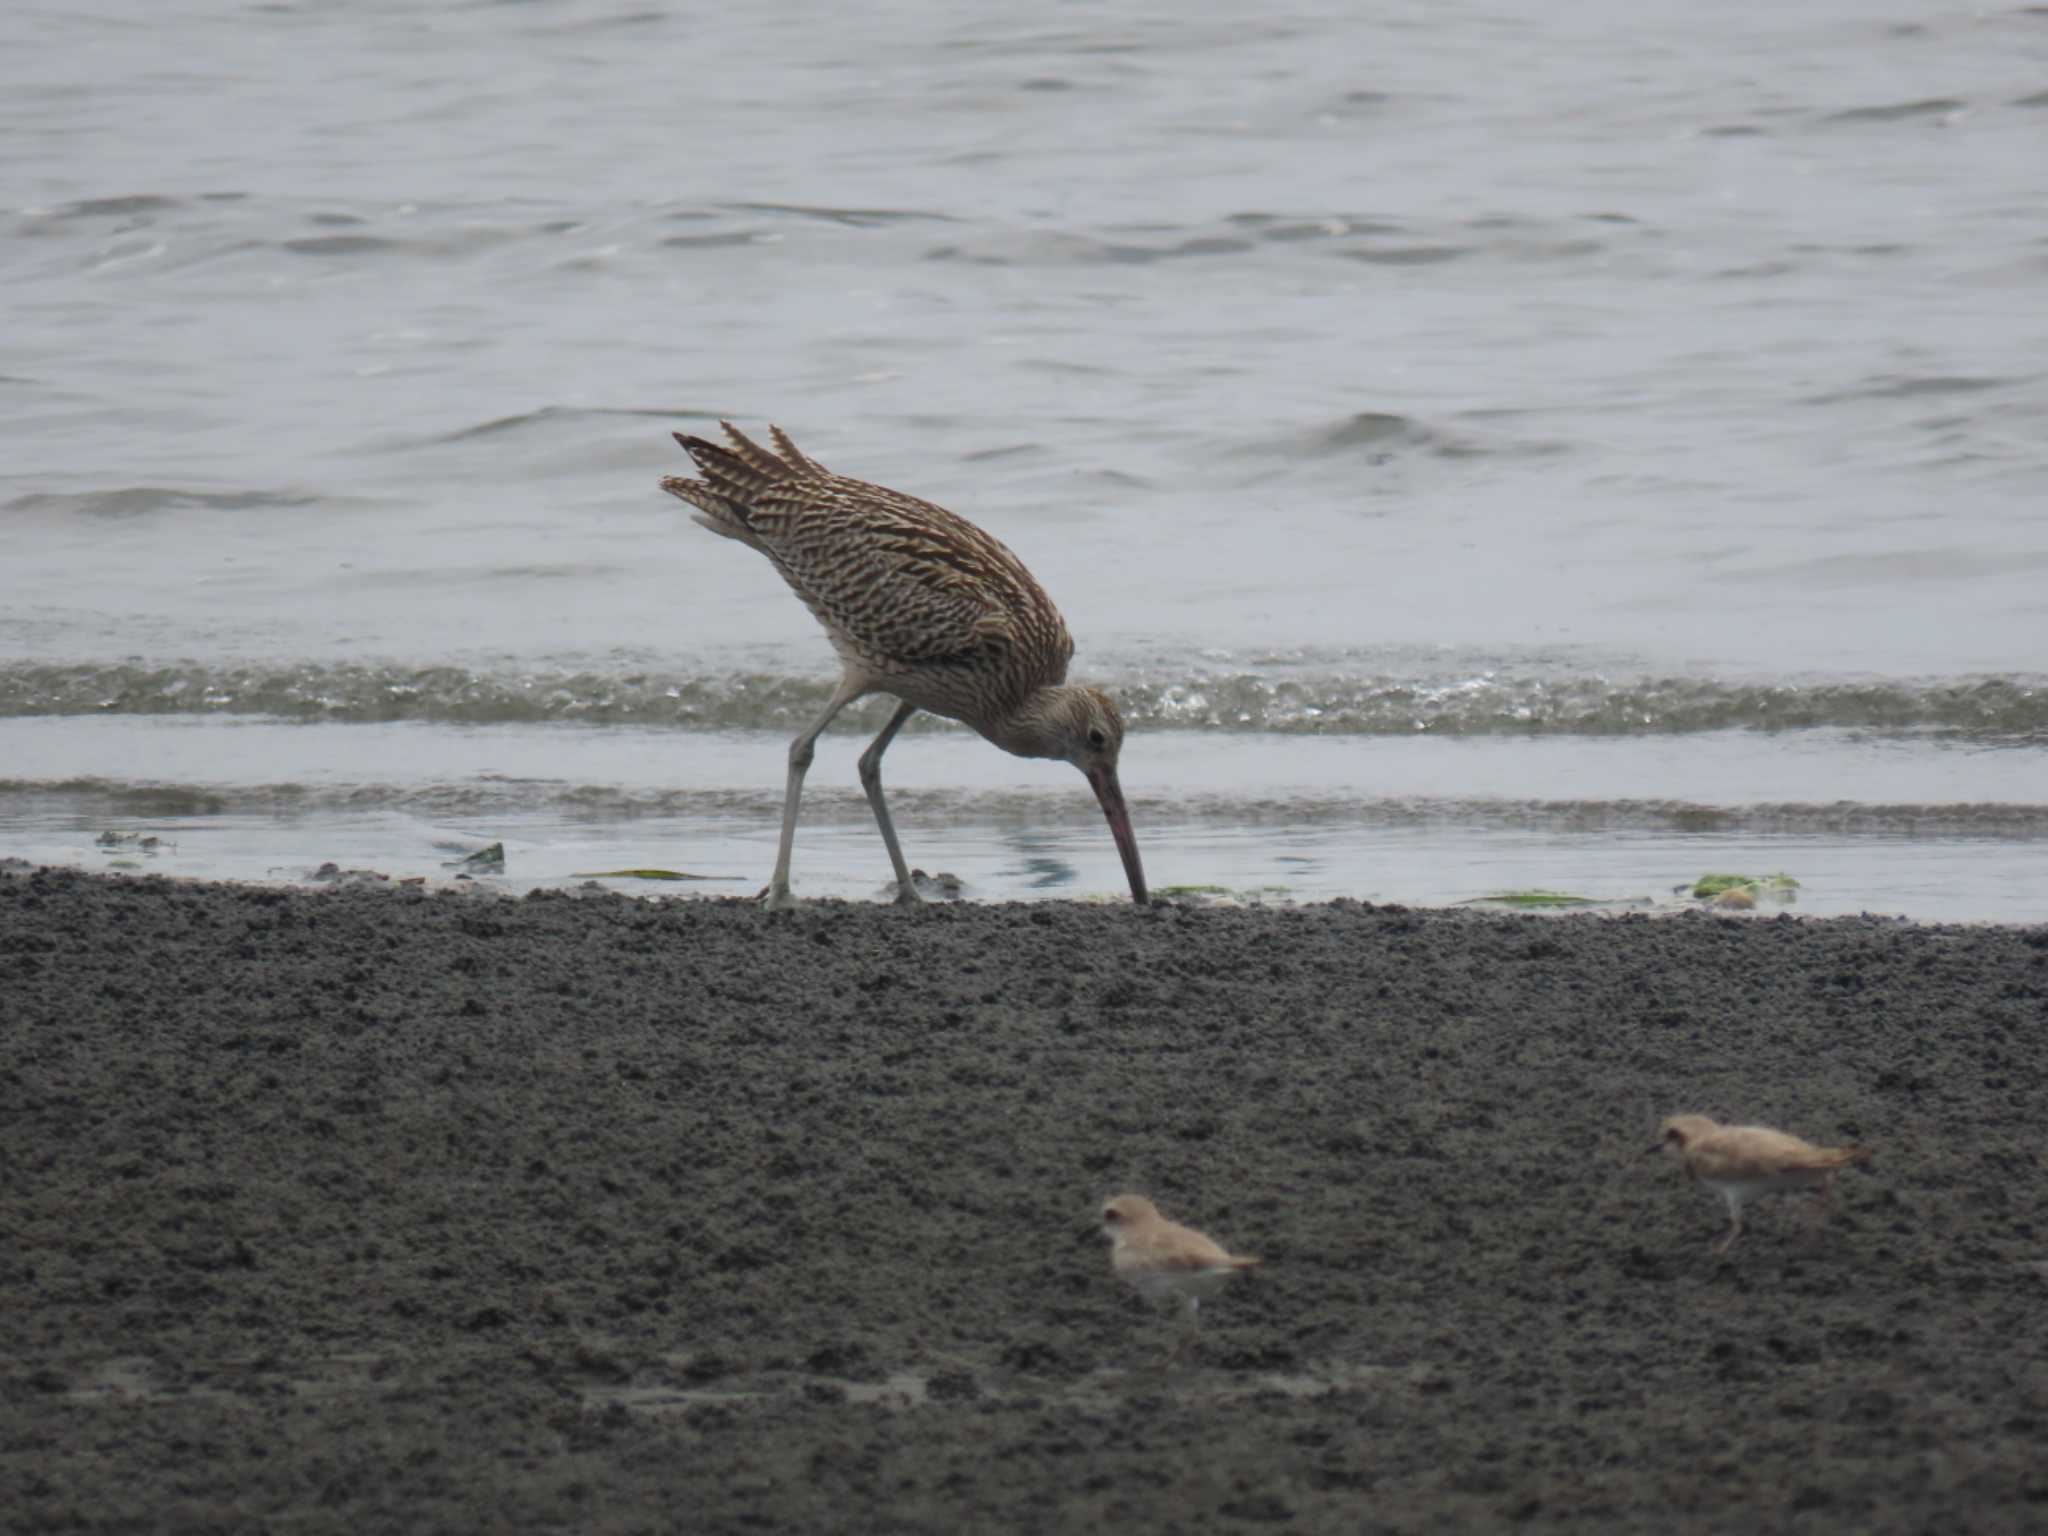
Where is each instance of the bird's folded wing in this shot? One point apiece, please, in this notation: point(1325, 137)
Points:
point(1752, 1152)
point(910, 582)
point(1183, 1250)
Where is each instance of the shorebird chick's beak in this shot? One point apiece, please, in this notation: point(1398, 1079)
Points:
point(1102, 779)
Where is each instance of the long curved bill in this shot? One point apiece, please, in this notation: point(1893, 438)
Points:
point(1111, 794)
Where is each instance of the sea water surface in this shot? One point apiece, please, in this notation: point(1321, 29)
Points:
point(1582, 446)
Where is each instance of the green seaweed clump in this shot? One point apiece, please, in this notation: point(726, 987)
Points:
point(1780, 885)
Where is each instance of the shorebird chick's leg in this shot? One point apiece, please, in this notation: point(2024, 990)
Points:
point(800, 753)
point(1735, 1224)
point(871, 781)
point(1817, 1212)
point(1191, 1335)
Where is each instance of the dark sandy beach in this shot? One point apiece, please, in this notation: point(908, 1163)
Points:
point(376, 1210)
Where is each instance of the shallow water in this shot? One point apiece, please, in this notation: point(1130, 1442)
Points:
point(1934, 825)
point(1595, 390)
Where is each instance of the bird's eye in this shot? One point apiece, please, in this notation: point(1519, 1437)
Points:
point(1111, 1216)
point(1096, 739)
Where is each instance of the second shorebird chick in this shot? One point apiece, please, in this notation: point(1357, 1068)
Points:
point(1740, 1162)
point(1163, 1258)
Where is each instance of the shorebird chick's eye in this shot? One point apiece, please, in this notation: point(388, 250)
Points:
point(1111, 1216)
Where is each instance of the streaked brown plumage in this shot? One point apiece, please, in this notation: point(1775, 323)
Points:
point(919, 603)
point(1740, 1162)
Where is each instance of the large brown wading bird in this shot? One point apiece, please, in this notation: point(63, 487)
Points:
point(920, 604)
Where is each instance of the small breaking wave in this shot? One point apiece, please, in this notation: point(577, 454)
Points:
point(1898, 111)
point(1909, 387)
point(286, 234)
point(560, 416)
point(858, 218)
point(117, 207)
point(341, 245)
point(141, 500)
point(1380, 436)
point(1508, 703)
point(1286, 698)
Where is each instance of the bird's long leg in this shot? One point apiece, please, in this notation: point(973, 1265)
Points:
point(871, 781)
point(800, 753)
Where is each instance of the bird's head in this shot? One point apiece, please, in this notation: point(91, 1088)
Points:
point(1081, 726)
point(1089, 733)
point(1126, 1212)
point(1679, 1132)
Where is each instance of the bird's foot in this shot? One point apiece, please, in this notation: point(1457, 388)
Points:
point(778, 898)
point(944, 886)
point(906, 896)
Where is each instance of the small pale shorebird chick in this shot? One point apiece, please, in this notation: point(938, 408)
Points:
point(1740, 1162)
point(1164, 1258)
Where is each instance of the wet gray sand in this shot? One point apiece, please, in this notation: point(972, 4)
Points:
point(354, 1210)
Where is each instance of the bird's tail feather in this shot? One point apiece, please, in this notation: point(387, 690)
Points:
point(740, 470)
point(713, 510)
point(791, 454)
